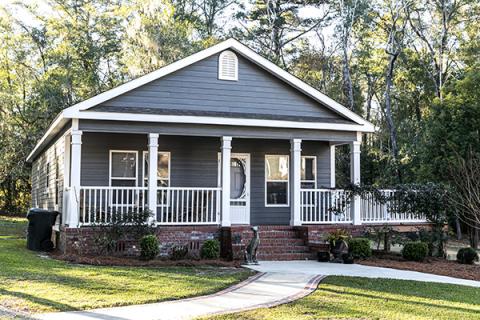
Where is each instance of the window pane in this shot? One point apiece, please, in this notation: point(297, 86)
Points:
point(123, 183)
point(277, 192)
point(162, 171)
point(276, 167)
point(308, 185)
point(123, 165)
point(308, 165)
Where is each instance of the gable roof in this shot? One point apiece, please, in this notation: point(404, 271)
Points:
point(80, 110)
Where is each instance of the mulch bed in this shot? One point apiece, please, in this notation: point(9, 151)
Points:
point(431, 265)
point(135, 262)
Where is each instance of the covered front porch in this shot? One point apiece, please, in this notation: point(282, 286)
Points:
point(217, 181)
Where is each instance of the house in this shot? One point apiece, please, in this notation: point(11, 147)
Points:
point(229, 139)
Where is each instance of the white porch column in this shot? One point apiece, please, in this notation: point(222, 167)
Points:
point(332, 166)
point(355, 179)
point(295, 182)
point(152, 174)
point(66, 179)
point(226, 155)
point(74, 198)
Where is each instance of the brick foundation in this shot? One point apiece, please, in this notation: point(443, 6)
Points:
point(82, 241)
point(277, 242)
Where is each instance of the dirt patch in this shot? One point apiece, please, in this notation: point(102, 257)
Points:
point(134, 262)
point(431, 265)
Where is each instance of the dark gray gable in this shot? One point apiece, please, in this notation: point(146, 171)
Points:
point(196, 90)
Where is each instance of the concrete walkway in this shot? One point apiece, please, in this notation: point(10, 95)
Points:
point(355, 270)
point(262, 290)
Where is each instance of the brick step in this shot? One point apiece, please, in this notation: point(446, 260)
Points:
point(278, 234)
point(282, 242)
point(285, 256)
point(282, 249)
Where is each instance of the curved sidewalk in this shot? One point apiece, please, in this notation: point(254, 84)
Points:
point(261, 290)
point(355, 270)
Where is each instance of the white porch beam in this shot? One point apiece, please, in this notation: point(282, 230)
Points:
point(295, 184)
point(152, 174)
point(355, 179)
point(226, 157)
point(75, 175)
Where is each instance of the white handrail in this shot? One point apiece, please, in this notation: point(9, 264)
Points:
point(101, 205)
point(188, 206)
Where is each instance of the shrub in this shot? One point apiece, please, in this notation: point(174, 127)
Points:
point(210, 249)
point(359, 247)
point(467, 255)
point(415, 251)
point(339, 234)
point(149, 247)
point(179, 252)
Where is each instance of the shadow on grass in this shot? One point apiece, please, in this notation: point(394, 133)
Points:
point(37, 300)
point(404, 301)
point(428, 290)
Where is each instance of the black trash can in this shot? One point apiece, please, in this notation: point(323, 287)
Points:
point(40, 224)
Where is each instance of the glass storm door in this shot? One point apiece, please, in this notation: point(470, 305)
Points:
point(239, 188)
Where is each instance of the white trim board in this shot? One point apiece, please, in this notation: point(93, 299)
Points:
point(77, 110)
point(117, 116)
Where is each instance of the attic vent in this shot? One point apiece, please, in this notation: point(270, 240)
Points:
point(228, 66)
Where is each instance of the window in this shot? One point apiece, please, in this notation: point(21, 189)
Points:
point(276, 180)
point(308, 172)
point(57, 180)
point(228, 66)
point(123, 168)
point(47, 179)
point(163, 169)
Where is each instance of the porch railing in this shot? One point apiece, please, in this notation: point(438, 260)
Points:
point(375, 211)
point(324, 206)
point(99, 205)
point(187, 206)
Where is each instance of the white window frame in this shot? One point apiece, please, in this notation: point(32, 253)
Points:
point(287, 181)
point(145, 177)
point(314, 171)
point(110, 178)
point(220, 66)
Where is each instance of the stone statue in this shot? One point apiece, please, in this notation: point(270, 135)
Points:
point(338, 250)
point(251, 250)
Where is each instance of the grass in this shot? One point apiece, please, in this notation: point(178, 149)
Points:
point(32, 283)
point(363, 298)
point(12, 227)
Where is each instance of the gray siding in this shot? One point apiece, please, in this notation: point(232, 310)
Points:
point(194, 163)
point(216, 130)
point(47, 177)
point(197, 88)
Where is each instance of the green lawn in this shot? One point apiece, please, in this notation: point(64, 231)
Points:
point(362, 298)
point(32, 283)
point(12, 227)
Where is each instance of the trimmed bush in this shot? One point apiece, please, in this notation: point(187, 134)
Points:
point(415, 251)
point(210, 249)
point(467, 255)
point(359, 248)
point(149, 247)
point(179, 252)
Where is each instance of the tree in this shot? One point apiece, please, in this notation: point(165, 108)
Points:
point(465, 194)
point(271, 26)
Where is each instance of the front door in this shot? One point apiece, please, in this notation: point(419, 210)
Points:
point(239, 188)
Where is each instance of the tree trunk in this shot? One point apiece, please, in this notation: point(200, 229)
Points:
point(388, 112)
point(347, 80)
point(458, 227)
